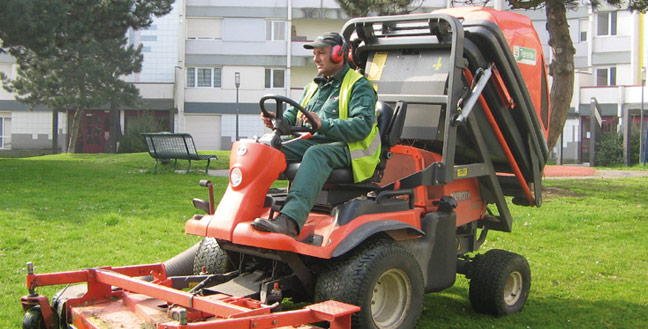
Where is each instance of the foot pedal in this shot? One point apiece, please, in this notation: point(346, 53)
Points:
point(313, 239)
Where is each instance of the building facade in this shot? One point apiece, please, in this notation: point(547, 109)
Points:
point(194, 56)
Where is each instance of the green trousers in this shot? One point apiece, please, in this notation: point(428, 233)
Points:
point(317, 159)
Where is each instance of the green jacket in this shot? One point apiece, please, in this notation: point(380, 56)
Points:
point(325, 103)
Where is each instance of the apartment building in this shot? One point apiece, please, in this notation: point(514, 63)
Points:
point(610, 53)
point(208, 62)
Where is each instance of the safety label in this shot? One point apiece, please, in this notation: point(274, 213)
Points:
point(377, 66)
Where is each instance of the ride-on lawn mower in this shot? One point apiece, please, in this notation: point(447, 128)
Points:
point(463, 116)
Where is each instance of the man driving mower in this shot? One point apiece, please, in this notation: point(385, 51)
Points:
point(341, 102)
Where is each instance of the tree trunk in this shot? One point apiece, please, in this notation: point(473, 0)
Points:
point(561, 67)
point(55, 127)
point(74, 130)
point(114, 130)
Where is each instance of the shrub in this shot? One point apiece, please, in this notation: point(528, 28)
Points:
point(609, 149)
point(132, 141)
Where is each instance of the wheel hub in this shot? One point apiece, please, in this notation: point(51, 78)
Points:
point(391, 298)
point(513, 288)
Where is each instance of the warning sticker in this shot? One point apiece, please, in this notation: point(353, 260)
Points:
point(524, 55)
point(377, 65)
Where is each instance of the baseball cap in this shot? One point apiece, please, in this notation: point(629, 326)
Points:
point(326, 39)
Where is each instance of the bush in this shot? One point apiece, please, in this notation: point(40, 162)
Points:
point(132, 141)
point(609, 150)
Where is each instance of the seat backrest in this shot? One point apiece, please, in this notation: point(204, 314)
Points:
point(384, 114)
point(396, 124)
point(390, 126)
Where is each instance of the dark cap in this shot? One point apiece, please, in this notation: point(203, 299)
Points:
point(326, 39)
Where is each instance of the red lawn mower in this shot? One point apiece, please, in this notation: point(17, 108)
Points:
point(463, 116)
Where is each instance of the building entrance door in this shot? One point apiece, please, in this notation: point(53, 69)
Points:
point(94, 131)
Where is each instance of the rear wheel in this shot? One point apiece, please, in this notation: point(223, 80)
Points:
point(211, 257)
point(500, 282)
point(383, 278)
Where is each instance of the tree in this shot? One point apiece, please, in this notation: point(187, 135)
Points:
point(72, 54)
point(562, 66)
point(357, 8)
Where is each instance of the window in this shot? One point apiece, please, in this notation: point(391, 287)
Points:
point(204, 28)
point(191, 80)
point(607, 23)
point(275, 30)
point(203, 77)
point(606, 76)
point(584, 27)
point(5, 132)
point(275, 78)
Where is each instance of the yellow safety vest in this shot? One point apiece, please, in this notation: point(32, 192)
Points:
point(365, 154)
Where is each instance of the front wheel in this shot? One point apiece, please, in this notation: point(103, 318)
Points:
point(33, 318)
point(211, 258)
point(381, 277)
point(500, 283)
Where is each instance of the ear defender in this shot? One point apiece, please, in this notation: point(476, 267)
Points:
point(337, 54)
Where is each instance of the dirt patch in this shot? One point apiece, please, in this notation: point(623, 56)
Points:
point(555, 192)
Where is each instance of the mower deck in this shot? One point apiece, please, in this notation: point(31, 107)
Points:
point(115, 299)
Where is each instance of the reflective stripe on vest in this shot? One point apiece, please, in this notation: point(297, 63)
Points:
point(365, 154)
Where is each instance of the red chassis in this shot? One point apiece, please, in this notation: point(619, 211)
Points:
point(117, 296)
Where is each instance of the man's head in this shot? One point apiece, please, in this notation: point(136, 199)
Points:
point(329, 52)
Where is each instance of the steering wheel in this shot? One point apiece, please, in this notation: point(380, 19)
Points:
point(280, 125)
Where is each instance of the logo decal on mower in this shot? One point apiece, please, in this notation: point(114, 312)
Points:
point(461, 196)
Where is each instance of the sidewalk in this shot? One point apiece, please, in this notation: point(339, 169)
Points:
point(218, 172)
point(568, 171)
point(571, 171)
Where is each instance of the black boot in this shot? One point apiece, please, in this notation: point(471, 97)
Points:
point(280, 224)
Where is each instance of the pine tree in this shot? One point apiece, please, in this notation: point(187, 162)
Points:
point(73, 54)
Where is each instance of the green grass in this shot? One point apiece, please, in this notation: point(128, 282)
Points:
point(585, 245)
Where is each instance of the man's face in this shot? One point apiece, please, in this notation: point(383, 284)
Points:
point(322, 59)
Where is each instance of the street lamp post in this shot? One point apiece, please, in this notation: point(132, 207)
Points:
point(642, 144)
point(237, 82)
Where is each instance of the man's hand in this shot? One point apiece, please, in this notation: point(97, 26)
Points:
point(267, 121)
point(317, 122)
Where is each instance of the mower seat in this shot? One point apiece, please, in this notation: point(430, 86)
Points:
point(390, 126)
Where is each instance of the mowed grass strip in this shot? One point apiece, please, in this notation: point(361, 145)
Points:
point(585, 245)
point(67, 212)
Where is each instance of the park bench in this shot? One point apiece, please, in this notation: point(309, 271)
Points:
point(167, 146)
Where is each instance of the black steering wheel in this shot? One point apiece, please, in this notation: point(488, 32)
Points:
point(280, 126)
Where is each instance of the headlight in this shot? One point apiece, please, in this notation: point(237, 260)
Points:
point(236, 177)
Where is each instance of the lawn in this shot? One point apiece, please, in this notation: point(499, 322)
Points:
point(585, 245)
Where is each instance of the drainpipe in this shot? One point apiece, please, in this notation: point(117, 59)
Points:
point(289, 50)
point(180, 73)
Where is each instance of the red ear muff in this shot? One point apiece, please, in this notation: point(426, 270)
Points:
point(350, 58)
point(337, 54)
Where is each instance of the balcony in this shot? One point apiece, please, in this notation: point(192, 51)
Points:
point(607, 44)
point(156, 90)
point(630, 94)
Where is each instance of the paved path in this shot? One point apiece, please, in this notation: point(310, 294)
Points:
point(218, 172)
point(570, 171)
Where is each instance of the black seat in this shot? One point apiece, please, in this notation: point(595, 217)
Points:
point(390, 126)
